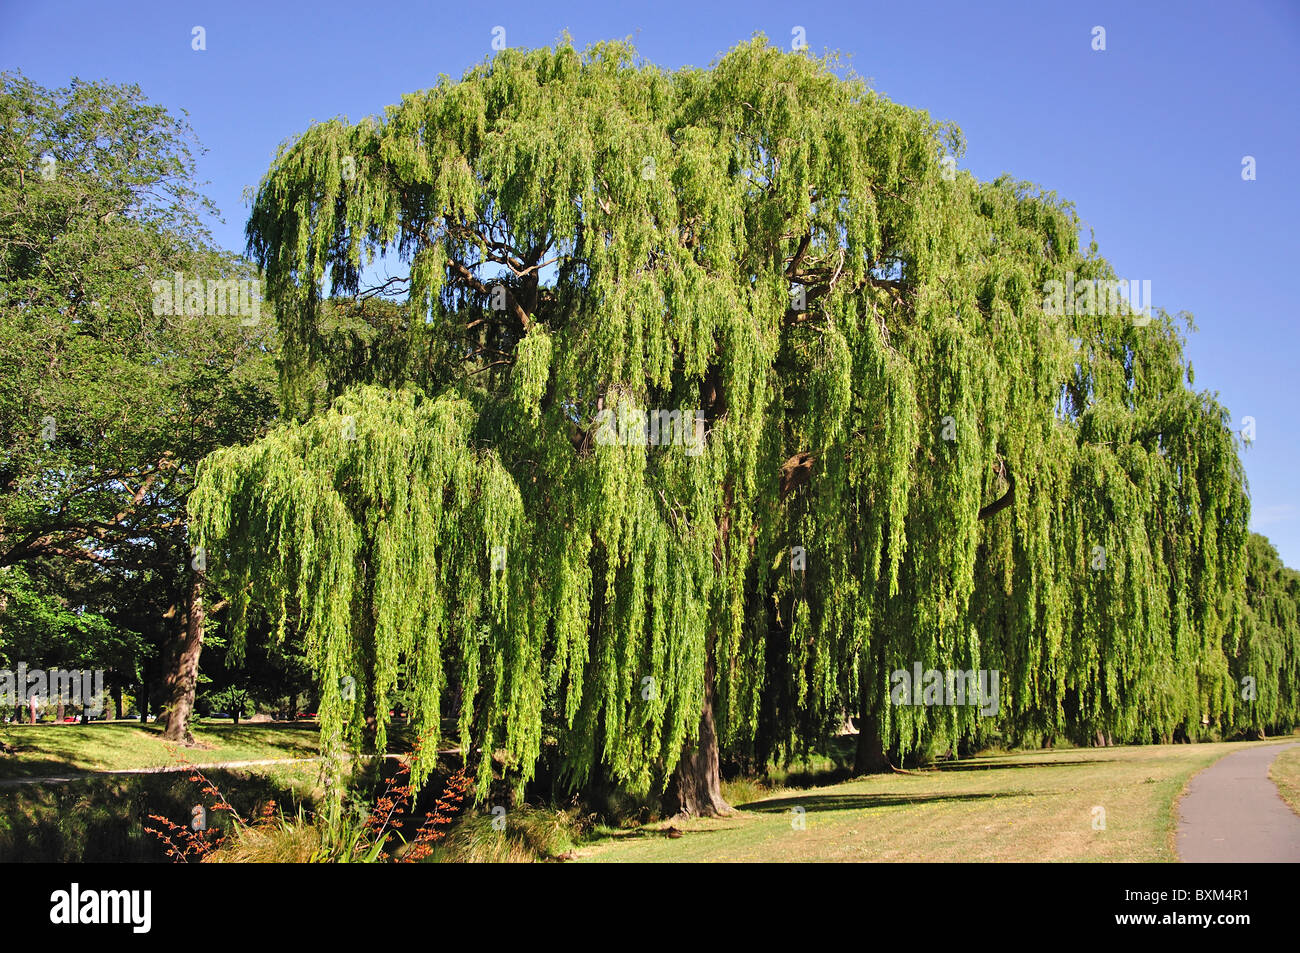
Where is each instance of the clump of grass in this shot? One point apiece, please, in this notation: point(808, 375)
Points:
point(1285, 772)
point(745, 790)
point(185, 843)
point(290, 840)
point(522, 835)
point(362, 835)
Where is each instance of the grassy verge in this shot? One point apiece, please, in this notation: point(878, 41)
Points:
point(1018, 806)
point(40, 750)
point(384, 821)
point(1285, 772)
point(524, 835)
point(1076, 804)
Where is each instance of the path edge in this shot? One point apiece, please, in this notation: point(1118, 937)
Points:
point(1175, 814)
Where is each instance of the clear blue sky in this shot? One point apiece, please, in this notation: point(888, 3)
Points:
point(1146, 138)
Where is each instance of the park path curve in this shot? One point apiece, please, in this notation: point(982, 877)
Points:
point(70, 776)
point(1232, 813)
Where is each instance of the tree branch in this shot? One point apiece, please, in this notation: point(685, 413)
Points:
point(1006, 499)
point(473, 281)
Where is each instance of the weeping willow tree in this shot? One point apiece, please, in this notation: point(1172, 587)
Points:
point(700, 403)
point(1265, 665)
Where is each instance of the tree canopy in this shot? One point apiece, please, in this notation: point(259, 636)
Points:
point(870, 443)
point(107, 400)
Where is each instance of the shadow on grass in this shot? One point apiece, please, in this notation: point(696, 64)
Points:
point(75, 750)
point(103, 818)
point(859, 802)
point(646, 833)
point(13, 772)
point(222, 726)
point(996, 765)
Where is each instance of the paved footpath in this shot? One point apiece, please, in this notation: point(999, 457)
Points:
point(1232, 813)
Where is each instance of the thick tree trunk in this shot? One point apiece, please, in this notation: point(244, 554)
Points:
point(183, 677)
point(117, 702)
point(870, 757)
point(696, 787)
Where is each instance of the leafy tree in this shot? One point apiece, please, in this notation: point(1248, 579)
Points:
point(889, 451)
point(264, 672)
point(234, 700)
point(108, 397)
point(43, 625)
point(1266, 664)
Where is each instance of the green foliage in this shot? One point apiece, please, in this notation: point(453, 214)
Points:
point(107, 402)
point(585, 234)
point(234, 700)
point(39, 627)
point(99, 393)
point(1268, 651)
point(382, 522)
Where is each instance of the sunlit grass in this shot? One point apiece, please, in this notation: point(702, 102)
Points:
point(68, 749)
point(1285, 772)
point(1009, 806)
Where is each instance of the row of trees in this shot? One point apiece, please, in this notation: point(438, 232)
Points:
point(407, 482)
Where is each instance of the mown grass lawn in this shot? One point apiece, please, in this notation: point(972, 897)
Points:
point(69, 749)
point(1285, 772)
point(1019, 806)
